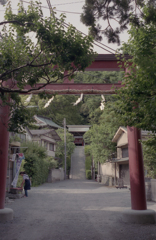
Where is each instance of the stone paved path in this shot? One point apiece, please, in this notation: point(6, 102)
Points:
point(78, 163)
point(74, 210)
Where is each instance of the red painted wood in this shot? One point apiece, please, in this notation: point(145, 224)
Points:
point(137, 182)
point(104, 65)
point(87, 88)
point(4, 145)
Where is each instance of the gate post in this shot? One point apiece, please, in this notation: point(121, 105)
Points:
point(139, 212)
point(5, 213)
point(4, 144)
point(136, 168)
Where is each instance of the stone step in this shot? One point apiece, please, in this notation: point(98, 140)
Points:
point(78, 163)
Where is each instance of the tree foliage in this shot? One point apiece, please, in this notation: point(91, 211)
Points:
point(25, 61)
point(70, 146)
point(137, 99)
point(149, 154)
point(100, 135)
point(109, 18)
point(37, 162)
point(62, 107)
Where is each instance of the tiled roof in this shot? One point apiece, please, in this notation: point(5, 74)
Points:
point(45, 131)
point(43, 121)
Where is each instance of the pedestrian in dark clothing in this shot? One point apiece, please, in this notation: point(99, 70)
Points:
point(27, 184)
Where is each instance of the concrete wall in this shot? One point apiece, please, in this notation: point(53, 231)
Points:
point(123, 139)
point(51, 153)
point(153, 190)
point(107, 173)
point(150, 187)
point(55, 175)
point(107, 169)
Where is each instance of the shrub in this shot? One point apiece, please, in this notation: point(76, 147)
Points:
point(88, 162)
point(36, 162)
point(88, 174)
point(52, 162)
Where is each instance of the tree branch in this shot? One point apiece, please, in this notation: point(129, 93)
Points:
point(26, 65)
point(15, 21)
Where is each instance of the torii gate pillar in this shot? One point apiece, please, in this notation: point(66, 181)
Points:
point(139, 212)
point(5, 213)
point(137, 182)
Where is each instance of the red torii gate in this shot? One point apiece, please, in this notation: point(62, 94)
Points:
point(103, 62)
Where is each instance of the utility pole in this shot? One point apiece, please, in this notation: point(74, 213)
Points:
point(50, 8)
point(64, 122)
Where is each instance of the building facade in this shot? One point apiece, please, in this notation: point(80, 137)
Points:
point(78, 131)
point(118, 168)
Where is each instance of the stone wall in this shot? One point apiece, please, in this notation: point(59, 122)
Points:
point(107, 180)
point(150, 187)
point(55, 175)
point(153, 190)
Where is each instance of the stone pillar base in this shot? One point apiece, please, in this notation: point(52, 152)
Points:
point(6, 214)
point(139, 216)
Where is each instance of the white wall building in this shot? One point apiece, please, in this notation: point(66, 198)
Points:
point(45, 137)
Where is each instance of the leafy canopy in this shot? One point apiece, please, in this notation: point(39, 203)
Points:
point(149, 155)
point(36, 162)
point(70, 146)
point(44, 58)
point(109, 18)
point(100, 136)
point(137, 99)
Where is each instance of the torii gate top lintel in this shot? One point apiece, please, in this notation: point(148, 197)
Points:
point(106, 62)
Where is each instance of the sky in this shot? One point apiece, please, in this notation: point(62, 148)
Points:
point(72, 9)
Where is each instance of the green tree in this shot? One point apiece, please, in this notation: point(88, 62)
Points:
point(99, 137)
point(70, 146)
point(109, 18)
point(149, 154)
point(37, 162)
point(137, 99)
point(62, 107)
point(28, 62)
point(89, 109)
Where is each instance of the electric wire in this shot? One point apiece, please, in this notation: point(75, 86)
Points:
point(68, 3)
point(67, 25)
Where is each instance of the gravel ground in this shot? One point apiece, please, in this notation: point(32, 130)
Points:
point(74, 210)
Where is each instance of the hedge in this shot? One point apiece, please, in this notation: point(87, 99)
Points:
point(88, 174)
point(36, 163)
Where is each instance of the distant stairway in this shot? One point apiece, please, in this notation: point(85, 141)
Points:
point(78, 163)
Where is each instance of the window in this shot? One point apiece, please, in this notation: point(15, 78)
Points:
point(51, 146)
point(124, 152)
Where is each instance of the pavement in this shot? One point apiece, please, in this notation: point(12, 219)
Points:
point(74, 210)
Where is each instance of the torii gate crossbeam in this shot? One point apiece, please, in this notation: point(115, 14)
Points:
point(103, 62)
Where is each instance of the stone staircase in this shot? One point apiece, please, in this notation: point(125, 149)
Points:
point(78, 163)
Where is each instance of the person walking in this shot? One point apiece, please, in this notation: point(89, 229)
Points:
point(27, 184)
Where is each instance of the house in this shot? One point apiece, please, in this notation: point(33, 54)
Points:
point(118, 168)
point(44, 122)
point(45, 137)
point(78, 131)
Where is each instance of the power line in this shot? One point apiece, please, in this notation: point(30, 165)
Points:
point(50, 8)
point(67, 3)
point(95, 41)
point(65, 24)
point(67, 12)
